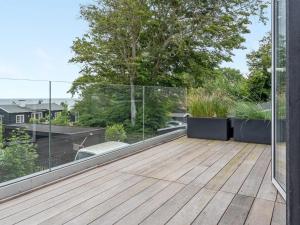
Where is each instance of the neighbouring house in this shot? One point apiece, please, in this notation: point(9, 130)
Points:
point(65, 140)
point(22, 113)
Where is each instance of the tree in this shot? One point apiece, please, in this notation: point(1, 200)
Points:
point(1, 135)
point(115, 132)
point(228, 81)
point(104, 105)
point(259, 80)
point(159, 42)
point(63, 117)
point(18, 157)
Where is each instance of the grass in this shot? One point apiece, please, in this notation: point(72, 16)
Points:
point(249, 110)
point(210, 105)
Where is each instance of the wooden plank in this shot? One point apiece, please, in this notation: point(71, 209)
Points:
point(95, 210)
point(146, 209)
point(121, 210)
point(218, 154)
point(72, 181)
point(182, 170)
point(192, 174)
point(215, 209)
point(62, 216)
point(162, 172)
point(169, 209)
point(162, 163)
point(267, 190)
point(92, 193)
point(217, 182)
point(280, 199)
point(260, 213)
point(237, 211)
point(118, 165)
point(196, 171)
point(191, 210)
point(101, 184)
point(279, 214)
point(205, 177)
point(255, 178)
point(234, 183)
point(52, 197)
point(165, 153)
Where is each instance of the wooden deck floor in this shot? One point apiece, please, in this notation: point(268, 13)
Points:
point(186, 181)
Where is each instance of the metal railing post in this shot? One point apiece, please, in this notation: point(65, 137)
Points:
point(143, 113)
point(50, 126)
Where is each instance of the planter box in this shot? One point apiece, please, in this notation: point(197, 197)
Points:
point(208, 128)
point(252, 131)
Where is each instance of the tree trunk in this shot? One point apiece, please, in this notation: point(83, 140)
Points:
point(132, 76)
point(132, 100)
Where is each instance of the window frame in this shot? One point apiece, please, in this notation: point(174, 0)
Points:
point(22, 120)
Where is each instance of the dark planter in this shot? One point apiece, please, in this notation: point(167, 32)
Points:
point(208, 128)
point(252, 131)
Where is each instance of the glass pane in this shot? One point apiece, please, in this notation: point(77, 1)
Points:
point(96, 119)
point(165, 110)
point(24, 128)
point(280, 94)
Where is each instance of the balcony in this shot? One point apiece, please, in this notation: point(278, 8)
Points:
point(184, 181)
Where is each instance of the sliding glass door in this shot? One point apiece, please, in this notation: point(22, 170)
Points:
point(279, 95)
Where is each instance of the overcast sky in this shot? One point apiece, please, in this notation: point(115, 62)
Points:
point(35, 41)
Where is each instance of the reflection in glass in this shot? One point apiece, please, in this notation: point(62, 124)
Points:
point(280, 94)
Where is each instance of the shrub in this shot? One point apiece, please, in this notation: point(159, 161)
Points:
point(204, 104)
point(115, 132)
point(34, 120)
point(249, 110)
point(18, 157)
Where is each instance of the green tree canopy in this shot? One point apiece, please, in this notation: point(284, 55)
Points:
point(151, 42)
point(228, 81)
point(159, 42)
point(259, 80)
point(18, 157)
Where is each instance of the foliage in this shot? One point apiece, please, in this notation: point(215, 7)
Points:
point(34, 120)
point(1, 135)
point(159, 103)
point(105, 105)
point(259, 80)
point(63, 117)
point(115, 132)
point(249, 110)
point(18, 157)
point(281, 106)
point(166, 43)
point(201, 103)
point(154, 43)
point(228, 81)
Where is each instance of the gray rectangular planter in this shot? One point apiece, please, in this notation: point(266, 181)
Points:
point(252, 131)
point(208, 128)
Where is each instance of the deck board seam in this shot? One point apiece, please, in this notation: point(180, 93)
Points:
point(183, 186)
point(129, 199)
point(237, 192)
point(234, 170)
point(58, 202)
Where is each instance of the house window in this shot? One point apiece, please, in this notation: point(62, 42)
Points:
point(37, 115)
point(1, 119)
point(20, 119)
